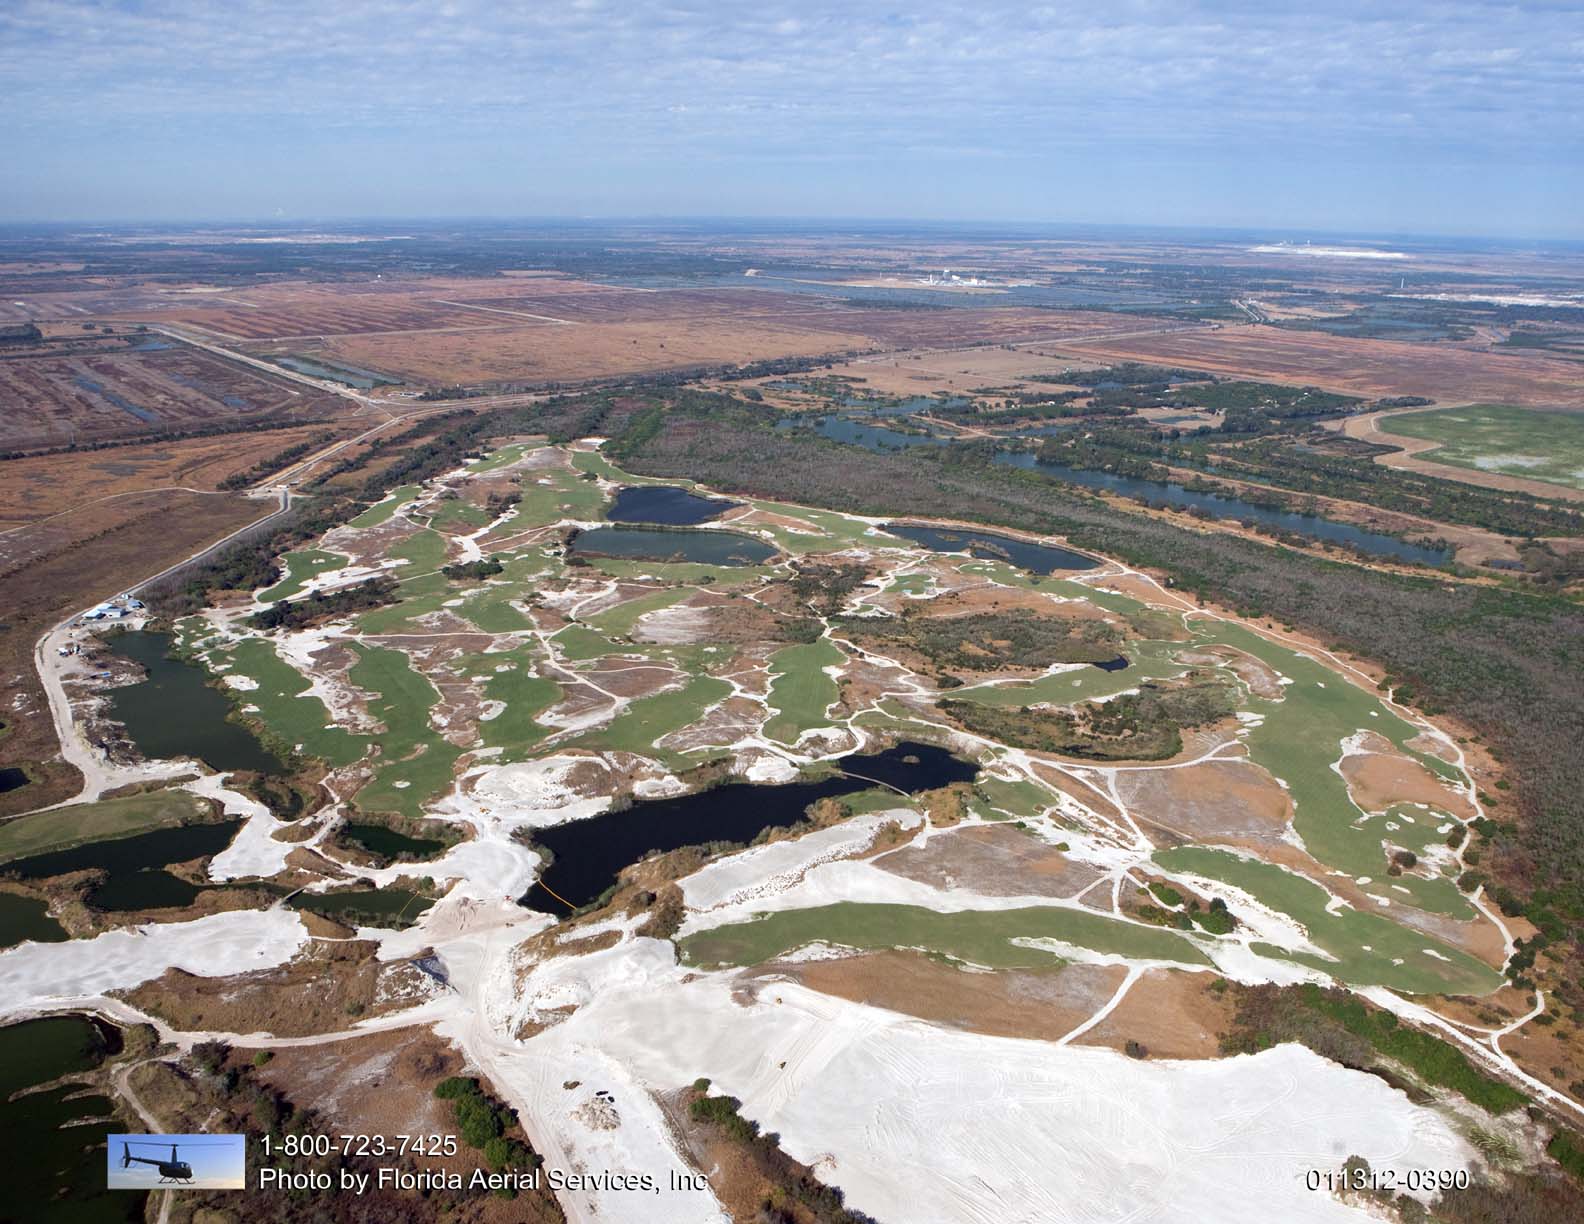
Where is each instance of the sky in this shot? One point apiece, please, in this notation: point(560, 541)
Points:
point(1422, 116)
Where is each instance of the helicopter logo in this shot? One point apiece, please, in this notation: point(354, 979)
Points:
point(204, 1161)
point(173, 1172)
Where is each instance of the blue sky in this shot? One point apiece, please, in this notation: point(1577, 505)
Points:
point(1432, 116)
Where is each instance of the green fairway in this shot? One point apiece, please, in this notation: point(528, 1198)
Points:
point(648, 719)
point(619, 621)
point(284, 708)
point(424, 551)
point(1427, 966)
point(414, 764)
point(979, 937)
point(62, 828)
point(514, 730)
point(1299, 741)
point(1498, 438)
point(300, 567)
point(800, 688)
point(384, 511)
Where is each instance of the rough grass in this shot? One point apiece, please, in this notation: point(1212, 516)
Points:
point(981, 937)
point(63, 828)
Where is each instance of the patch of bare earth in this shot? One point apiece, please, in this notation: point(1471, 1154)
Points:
point(325, 988)
point(1216, 801)
point(1376, 780)
point(1171, 1014)
point(996, 860)
point(383, 1084)
point(1045, 1004)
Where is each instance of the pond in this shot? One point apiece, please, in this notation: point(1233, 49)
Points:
point(870, 437)
point(1218, 506)
point(176, 713)
point(989, 546)
point(134, 879)
point(387, 843)
point(334, 371)
point(671, 544)
point(665, 504)
point(55, 1153)
point(588, 854)
point(26, 918)
point(381, 907)
point(12, 779)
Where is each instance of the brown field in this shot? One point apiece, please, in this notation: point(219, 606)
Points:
point(1170, 1013)
point(1369, 368)
point(1044, 1004)
point(112, 546)
point(42, 485)
point(54, 399)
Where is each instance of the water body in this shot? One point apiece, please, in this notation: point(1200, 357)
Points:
point(1113, 665)
point(588, 854)
point(24, 918)
point(134, 878)
point(870, 437)
point(672, 544)
point(377, 839)
point(907, 407)
point(382, 907)
point(12, 779)
point(1217, 506)
point(987, 545)
point(120, 401)
point(55, 1163)
point(667, 505)
point(176, 713)
point(347, 375)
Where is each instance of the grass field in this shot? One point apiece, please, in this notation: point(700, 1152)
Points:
point(1499, 438)
point(981, 937)
point(300, 567)
point(801, 689)
point(648, 719)
point(415, 763)
point(285, 708)
point(65, 827)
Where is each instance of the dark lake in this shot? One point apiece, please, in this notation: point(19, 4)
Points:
point(987, 545)
point(381, 907)
point(55, 1156)
point(134, 879)
point(672, 544)
point(24, 918)
point(378, 839)
point(1217, 506)
point(12, 779)
point(665, 504)
point(176, 713)
point(588, 854)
